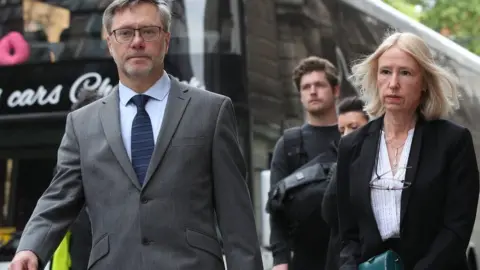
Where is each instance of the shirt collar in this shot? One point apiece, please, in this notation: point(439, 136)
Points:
point(158, 91)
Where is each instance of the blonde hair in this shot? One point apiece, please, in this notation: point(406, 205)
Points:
point(441, 96)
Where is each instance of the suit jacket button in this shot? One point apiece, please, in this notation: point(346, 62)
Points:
point(145, 200)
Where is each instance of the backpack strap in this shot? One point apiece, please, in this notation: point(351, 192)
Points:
point(293, 148)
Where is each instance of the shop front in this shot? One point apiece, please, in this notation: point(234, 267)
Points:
point(67, 54)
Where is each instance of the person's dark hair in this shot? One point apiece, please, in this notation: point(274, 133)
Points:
point(352, 104)
point(85, 98)
point(314, 63)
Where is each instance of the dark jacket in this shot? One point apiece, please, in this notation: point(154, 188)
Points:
point(438, 209)
point(330, 215)
point(308, 243)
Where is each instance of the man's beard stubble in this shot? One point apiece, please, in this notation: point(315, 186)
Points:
point(323, 110)
point(135, 73)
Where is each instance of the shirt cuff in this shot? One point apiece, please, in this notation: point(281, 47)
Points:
point(281, 257)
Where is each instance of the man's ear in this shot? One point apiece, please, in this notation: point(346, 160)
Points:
point(109, 44)
point(336, 91)
point(167, 42)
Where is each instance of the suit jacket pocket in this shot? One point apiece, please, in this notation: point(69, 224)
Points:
point(99, 250)
point(189, 141)
point(204, 242)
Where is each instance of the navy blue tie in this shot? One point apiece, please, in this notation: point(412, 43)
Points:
point(142, 138)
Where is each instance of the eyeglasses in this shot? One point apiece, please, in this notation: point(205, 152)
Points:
point(148, 33)
point(388, 183)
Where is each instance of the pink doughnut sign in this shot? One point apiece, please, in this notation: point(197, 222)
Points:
point(14, 49)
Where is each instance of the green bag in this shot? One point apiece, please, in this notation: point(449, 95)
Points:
point(388, 260)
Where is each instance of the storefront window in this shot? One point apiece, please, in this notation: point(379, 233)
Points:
point(56, 42)
point(59, 30)
point(59, 49)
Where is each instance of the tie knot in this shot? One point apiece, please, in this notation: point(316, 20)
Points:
point(140, 101)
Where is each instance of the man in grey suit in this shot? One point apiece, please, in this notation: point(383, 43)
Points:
point(155, 162)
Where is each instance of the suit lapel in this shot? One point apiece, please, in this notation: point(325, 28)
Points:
point(177, 102)
point(365, 167)
point(413, 161)
point(110, 119)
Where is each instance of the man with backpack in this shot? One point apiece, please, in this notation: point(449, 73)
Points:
point(300, 229)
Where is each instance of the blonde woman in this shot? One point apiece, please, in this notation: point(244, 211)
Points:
point(407, 181)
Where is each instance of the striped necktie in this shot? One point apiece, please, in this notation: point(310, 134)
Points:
point(142, 138)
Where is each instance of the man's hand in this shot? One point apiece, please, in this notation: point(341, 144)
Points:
point(24, 260)
point(276, 267)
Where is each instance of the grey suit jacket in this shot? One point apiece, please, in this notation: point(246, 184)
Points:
point(196, 170)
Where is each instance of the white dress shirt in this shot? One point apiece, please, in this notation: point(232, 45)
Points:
point(155, 108)
point(386, 204)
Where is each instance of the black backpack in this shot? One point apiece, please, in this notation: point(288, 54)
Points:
point(293, 148)
point(298, 197)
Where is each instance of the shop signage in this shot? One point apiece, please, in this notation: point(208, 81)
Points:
point(55, 87)
point(41, 96)
point(52, 87)
point(91, 81)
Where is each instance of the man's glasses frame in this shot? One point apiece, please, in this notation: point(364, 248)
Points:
point(148, 33)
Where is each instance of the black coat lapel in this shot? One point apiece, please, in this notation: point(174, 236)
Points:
point(363, 170)
point(412, 164)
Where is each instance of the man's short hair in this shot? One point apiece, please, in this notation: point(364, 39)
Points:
point(314, 63)
point(352, 104)
point(85, 98)
point(116, 5)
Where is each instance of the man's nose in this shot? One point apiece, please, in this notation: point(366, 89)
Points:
point(138, 40)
